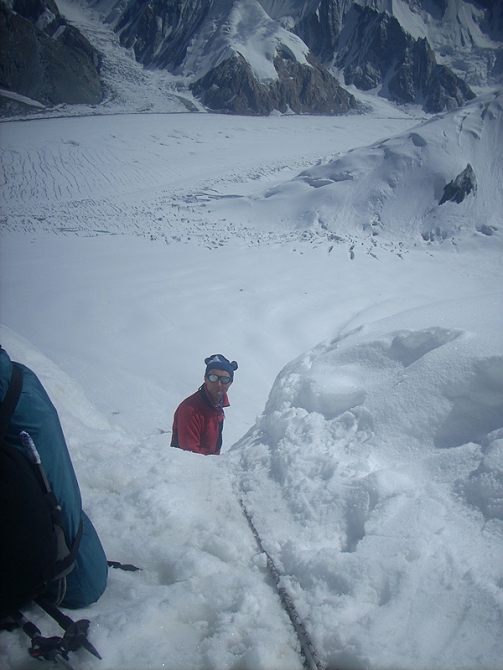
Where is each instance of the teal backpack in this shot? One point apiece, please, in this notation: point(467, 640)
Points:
point(48, 545)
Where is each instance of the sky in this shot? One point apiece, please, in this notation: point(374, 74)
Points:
point(365, 432)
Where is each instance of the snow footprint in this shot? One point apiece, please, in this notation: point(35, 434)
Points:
point(477, 405)
point(483, 488)
point(409, 346)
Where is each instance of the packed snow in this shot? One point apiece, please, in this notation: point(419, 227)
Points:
point(365, 432)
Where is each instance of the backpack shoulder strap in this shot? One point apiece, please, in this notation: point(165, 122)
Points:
point(10, 401)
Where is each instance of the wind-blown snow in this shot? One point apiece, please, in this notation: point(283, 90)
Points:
point(380, 452)
point(365, 433)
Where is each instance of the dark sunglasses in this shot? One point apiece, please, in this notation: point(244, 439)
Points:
point(225, 379)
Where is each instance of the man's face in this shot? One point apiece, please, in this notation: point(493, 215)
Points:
point(217, 388)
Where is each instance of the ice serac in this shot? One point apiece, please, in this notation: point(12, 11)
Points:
point(44, 58)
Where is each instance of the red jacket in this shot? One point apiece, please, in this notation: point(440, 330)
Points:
point(198, 424)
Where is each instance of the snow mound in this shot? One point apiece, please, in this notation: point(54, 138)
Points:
point(393, 188)
point(380, 453)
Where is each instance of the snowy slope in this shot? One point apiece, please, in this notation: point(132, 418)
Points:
point(390, 191)
point(241, 27)
point(380, 453)
point(386, 193)
point(373, 472)
point(365, 427)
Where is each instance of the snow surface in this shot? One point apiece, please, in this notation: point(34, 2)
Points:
point(365, 433)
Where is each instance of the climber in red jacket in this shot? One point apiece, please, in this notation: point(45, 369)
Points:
point(199, 419)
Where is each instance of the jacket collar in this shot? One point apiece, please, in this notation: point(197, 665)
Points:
point(223, 403)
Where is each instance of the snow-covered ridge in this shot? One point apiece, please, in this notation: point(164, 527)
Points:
point(248, 31)
point(387, 193)
point(393, 188)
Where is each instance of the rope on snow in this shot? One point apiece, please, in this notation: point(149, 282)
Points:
point(312, 662)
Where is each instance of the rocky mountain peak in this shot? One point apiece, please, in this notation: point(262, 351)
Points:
point(45, 58)
point(257, 56)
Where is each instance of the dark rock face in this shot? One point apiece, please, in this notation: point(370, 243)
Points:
point(371, 48)
point(232, 87)
point(374, 49)
point(370, 44)
point(444, 90)
point(320, 30)
point(159, 31)
point(216, 89)
point(44, 58)
point(494, 17)
point(457, 190)
point(48, 60)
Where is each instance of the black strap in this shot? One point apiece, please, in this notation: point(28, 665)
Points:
point(128, 567)
point(64, 564)
point(10, 401)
